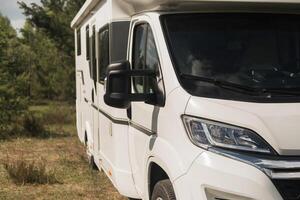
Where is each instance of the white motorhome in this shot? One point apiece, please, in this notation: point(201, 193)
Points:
point(191, 99)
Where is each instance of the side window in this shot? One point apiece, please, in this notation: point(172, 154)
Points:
point(145, 56)
point(78, 42)
point(152, 61)
point(87, 38)
point(103, 53)
point(139, 55)
point(93, 56)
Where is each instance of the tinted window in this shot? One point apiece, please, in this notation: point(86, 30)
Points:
point(87, 36)
point(152, 59)
point(152, 62)
point(103, 58)
point(93, 57)
point(139, 54)
point(145, 56)
point(79, 42)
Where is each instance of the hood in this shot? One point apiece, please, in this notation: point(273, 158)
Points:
point(277, 123)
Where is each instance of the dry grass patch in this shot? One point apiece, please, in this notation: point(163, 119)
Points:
point(63, 152)
point(30, 172)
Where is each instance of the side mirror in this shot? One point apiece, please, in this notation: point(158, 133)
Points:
point(118, 86)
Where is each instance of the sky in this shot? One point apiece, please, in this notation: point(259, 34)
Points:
point(11, 9)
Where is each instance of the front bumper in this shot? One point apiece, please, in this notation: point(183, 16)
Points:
point(216, 177)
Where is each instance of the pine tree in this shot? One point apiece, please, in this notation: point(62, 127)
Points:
point(13, 77)
point(51, 24)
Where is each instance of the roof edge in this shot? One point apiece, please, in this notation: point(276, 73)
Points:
point(133, 6)
point(83, 12)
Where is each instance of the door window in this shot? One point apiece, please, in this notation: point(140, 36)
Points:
point(103, 55)
point(139, 53)
point(144, 56)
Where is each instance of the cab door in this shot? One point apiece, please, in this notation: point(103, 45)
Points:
point(144, 117)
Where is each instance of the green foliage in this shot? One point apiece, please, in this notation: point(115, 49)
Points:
point(13, 78)
point(38, 63)
point(59, 114)
point(47, 70)
point(54, 17)
point(34, 127)
point(49, 35)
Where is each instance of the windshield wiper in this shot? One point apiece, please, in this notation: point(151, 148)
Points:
point(243, 88)
point(221, 84)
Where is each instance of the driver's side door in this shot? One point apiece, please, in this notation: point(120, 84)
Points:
point(144, 117)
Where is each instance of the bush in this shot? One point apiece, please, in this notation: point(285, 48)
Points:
point(59, 114)
point(11, 108)
point(34, 127)
point(24, 172)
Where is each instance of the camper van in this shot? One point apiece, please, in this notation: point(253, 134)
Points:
point(191, 99)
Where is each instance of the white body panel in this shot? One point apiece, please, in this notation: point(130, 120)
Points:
point(236, 180)
point(106, 141)
point(276, 123)
point(125, 148)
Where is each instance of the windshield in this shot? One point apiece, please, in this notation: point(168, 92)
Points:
point(260, 51)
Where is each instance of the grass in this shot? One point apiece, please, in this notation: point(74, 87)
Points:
point(24, 172)
point(55, 167)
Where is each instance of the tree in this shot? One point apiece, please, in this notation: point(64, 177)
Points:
point(45, 64)
point(13, 78)
point(39, 64)
point(51, 24)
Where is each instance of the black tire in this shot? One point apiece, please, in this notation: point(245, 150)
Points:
point(163, 190)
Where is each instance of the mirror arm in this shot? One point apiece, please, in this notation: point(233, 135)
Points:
point(142, 72)
point(141, 97)
point(150, 73)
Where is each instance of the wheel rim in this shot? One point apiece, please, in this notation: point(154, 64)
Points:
point(159, 198)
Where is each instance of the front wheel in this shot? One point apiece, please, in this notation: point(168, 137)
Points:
point(163, 190)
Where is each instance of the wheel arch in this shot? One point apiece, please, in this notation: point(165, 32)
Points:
point(155, 174)
point(164, 161)
point(158, 170)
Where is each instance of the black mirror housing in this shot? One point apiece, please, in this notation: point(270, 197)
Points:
point(118, 85)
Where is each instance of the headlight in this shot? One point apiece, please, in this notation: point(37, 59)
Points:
point(205, 134)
